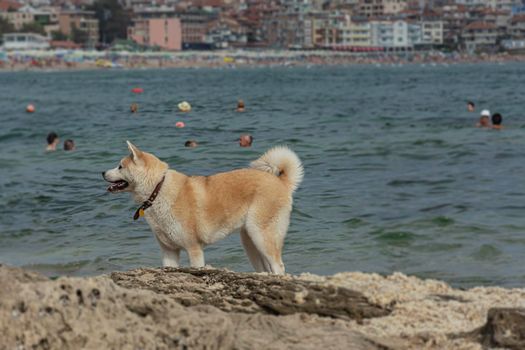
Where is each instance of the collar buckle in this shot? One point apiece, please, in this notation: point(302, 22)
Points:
point(149, 202)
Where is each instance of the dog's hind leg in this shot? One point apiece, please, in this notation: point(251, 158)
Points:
point(251, 251)
point(269, 245)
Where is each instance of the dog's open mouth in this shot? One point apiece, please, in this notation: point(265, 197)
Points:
point(119, 185)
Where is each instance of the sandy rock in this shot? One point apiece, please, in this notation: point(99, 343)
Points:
point(251, 293)
point(96, 313)
point(74, 313)
point(218, 309)
point(505, 328)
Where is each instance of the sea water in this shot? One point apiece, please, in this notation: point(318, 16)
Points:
point(397, 178)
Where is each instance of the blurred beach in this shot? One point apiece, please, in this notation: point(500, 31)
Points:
point(82, 59)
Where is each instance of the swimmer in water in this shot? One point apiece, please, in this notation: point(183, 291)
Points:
point(52, 141)
point(471, 107)
point(484, 121)
point(191, 144)
point(245, 140)
point(497, 119)
point(69, 145)
point(134, 108)
point(240, 106)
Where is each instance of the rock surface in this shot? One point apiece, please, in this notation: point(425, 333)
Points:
point(505, 328)
point(251, 293)
point(216, 309)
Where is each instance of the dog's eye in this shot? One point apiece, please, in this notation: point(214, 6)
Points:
point(119, 167)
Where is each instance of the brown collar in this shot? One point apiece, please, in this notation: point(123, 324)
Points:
point(148, 203)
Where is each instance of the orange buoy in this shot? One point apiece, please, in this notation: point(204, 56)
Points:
point(30, 108)
point(137, 90)
point(180, 124)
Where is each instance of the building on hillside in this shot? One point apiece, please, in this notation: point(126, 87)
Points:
point(472, 3)
point(27, 14)
point(514, 46)
point(480, 37)
point(356, 34)
point(84, 21)
point(517, 27)
point(455, 18)
point(155, 12)
point(503, 5)
point(195, 24)
point(396, 34)
point(394, 7)
point(297, 6)
point(9, 5)
point(289, 30)
point(256, 17)
point(47, 17)
point(326, 29)
point(227, 33)
point(162, 33)
point(431, 32)
point(25, 41)
point(370, 8)
point(390, 34)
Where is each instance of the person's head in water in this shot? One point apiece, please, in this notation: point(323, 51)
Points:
point(484, 122)
point(69, 145)
point(134, 108)
point(52, 141)
point(191, 144)
point(240, 106)
point(245, 140)
point(484, 119)
point(497, 119)
point(471, 107)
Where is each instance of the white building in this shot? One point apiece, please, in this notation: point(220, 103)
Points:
point(390, 34)
point(432, 32)
point(25, 41)
point(356, 34)
point(505, 5)
point(472, 2)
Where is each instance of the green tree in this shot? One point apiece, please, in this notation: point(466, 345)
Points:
point(79, 36)
point(58, 35)
point(113, 20)
point(33, 27)
point(6, 26)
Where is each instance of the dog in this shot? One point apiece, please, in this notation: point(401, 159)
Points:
point(190, 212)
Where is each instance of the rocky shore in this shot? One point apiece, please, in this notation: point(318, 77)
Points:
point(218, 309)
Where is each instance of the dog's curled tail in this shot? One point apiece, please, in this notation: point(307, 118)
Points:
point(283, 163)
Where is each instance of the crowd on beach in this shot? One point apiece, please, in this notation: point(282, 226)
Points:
point(86, 60)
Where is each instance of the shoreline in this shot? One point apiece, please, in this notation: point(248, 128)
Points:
point(211, 308)
point(81, 60)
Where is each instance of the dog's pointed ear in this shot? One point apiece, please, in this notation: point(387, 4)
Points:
point(135, 152)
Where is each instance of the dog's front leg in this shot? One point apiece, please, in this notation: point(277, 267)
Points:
point(170, 258)
point(196, 256)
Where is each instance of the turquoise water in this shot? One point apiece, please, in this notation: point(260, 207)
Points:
point(397, 178)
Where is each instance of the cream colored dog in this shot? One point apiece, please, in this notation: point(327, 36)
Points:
point(190, 212)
